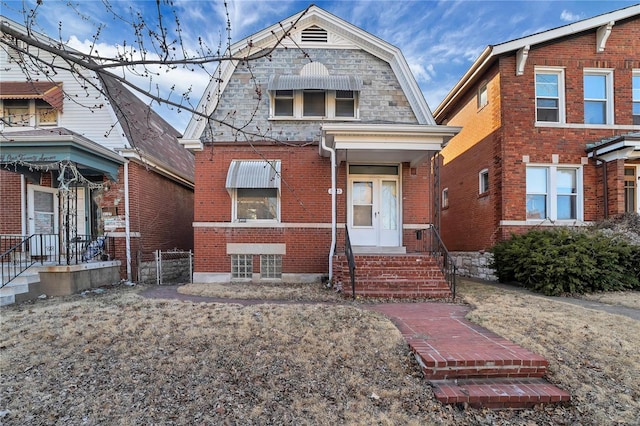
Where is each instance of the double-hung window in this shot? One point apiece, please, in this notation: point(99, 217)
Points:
point(553, 192)
point(283, 103)
point(15, 112)
point(598, 96)
point(314, 103)
point(549, 95)
point(635, 88)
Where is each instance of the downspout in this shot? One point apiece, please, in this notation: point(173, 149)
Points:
point(333, 205)
point(605, 186)
point(127, 225)
point(23, 205)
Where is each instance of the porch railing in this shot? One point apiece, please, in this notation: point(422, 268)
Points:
point(348, 251)
point(432, 243)
point(19, 252)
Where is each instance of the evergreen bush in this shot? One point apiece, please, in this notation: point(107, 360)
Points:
point(567, 260)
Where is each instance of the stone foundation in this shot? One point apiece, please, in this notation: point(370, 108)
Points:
point(474, 264)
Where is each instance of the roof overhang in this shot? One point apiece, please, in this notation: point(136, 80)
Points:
point(320, 82)
point(21, 151)
point(601, 25)
point(623, 147)
point(48, 91)
point(385, 143)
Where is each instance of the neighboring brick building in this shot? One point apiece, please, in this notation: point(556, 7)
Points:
point(551, 132)
point(267, 205)
point(134, 181)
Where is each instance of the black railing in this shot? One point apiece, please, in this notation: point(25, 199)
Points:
point(432, 243)
point(20, 252)
point(348, 251)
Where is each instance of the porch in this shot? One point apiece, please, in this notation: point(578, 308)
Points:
point(31, 266)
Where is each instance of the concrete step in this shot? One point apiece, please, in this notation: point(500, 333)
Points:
point(498, 393)
point(19, 285)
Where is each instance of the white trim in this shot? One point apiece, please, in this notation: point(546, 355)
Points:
point(560, 73)
point(546, 222)
point(587, 126)
point(521, 59)
point(481, 173)
point(607, 73)
point(265, 224)
point(122, 234)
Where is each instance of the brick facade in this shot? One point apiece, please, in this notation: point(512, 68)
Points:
point(503, 137)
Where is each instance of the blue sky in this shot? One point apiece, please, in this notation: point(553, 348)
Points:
point(440, 39)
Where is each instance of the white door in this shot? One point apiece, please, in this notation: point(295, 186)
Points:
point(373, 212)
point(43, 219)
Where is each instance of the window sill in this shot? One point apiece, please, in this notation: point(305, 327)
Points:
point(483, 194)
point(586, 126)
point(281, 118)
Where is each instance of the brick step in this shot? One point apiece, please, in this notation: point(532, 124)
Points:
point(403, 294)
point(498, 393)
point(506, 362)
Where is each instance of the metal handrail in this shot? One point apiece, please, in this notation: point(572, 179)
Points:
point(348, 251)
point(439, 252)
point(22, 252)
point(14, 260)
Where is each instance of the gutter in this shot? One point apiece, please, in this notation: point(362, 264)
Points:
point(332, 250)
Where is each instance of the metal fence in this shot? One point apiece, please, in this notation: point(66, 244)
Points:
point(174, 267)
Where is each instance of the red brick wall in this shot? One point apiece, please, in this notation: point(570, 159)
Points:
point(161, 211)
point(10, 211)
point(499, 141)
point(306, 178)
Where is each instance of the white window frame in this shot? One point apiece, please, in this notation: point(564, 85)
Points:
point(609, 107)
point(298, 107)
point(635, 94)
point(234, 207)
point(483, 176)
point(559, 72)
point(552, 192)
point(483, 95)
point(445, 198)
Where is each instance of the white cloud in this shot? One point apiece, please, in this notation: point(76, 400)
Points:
point(568, 16)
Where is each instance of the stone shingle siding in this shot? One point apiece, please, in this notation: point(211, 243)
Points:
point(381, 98)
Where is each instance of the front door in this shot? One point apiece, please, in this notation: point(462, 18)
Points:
point(373, 211)
point(43, 219)
point(631, 190)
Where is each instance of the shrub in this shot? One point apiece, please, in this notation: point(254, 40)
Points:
point(565, 260)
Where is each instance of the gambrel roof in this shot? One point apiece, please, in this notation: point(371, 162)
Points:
point(314, 28)
point(602, 25)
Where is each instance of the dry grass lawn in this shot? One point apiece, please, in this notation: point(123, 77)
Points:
point(119, 358)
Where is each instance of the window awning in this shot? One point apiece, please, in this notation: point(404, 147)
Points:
point(253, 174)
point(320, 82)
point(48, 91)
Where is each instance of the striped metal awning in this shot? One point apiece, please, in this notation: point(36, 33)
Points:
point(253, 174)
point(320, 82)
point(50, 92)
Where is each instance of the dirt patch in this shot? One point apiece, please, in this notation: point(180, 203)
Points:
point(269, 291)
point(119, 358)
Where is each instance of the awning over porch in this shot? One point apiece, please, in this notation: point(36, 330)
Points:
point(22, 150)
point(385, 143)
point(626, 147)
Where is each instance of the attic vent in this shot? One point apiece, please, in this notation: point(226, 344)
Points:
point(314, 34)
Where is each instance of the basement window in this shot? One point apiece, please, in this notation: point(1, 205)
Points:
point(271, 266)
point(241, 266)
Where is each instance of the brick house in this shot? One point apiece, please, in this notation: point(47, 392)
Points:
point(551, 134)
point(78, 163)
point(329, 129)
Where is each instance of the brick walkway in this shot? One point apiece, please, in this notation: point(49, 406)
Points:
point(469, 364)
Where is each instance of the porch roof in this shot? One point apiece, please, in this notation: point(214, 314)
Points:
point(625, 147)
point(384, 142)
point(40, 147)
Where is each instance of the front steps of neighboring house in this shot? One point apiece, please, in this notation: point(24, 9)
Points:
point(19, 285)
point(395, 275)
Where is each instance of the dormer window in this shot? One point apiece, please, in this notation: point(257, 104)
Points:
point(30, 103)
point(314, 94)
